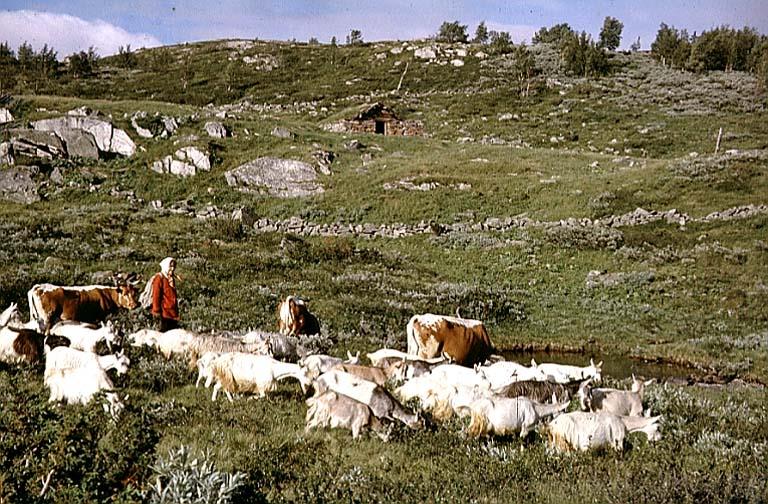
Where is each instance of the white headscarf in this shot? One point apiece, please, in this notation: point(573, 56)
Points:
point(165, 266)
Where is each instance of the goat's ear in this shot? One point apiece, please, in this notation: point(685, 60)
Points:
point(533, 363)
point(599, 364)
point(648, 382)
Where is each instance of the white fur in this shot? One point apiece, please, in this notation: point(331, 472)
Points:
point(244, 372)
point(84, 336)
point(75, 376)
point(563, 373)
point(504, 373)
point(583, 431)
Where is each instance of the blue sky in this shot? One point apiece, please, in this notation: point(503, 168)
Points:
point(73, 25)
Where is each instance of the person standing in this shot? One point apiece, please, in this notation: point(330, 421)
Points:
point(165, 305)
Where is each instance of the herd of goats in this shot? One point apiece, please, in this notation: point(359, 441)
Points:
point(448, 370)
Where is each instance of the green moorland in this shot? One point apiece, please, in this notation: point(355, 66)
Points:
point(692, 291)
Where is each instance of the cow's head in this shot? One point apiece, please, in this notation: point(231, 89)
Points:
point(127, 289)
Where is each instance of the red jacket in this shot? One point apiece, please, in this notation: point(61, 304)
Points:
point(164, 301)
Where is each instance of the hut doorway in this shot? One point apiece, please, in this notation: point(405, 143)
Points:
point(380, 127)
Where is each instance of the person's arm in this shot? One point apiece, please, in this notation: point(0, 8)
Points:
point(157, 295)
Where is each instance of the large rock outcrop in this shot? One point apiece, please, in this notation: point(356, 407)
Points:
point(107, 137)
point(36, 144)
point(284, 178)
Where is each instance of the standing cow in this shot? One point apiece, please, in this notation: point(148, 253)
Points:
point(49, 303)
point(464, 341)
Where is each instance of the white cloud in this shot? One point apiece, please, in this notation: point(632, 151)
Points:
point(68, 34)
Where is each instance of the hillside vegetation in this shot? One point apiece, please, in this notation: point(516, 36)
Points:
point(590, 216)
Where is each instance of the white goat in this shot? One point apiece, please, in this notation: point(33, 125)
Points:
point(563, 373)
point(381, 402)
point(337, 410)
point(10, 315)
point(174, 342)
point(84, 336)
point(318, 364)
point(383, 355)
point(243, 372)
point(143, 337)
point(205, 368)
point(454, 374)
point(614, 401)
point(579, 430)
point(75, 376)
point(504, 373)
point(505, 416)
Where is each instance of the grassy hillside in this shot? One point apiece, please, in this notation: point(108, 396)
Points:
point(516, 183)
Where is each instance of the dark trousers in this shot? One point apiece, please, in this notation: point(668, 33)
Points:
point(167, 324)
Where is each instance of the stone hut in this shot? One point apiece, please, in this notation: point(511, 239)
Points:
point(379, 119)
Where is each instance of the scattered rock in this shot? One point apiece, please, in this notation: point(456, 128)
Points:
point(56, 176)
point(281, 132)
point(284, 178)
point(17, 184)
point(185, 162)
point(457, 62)
point(324, 160)
point(5, 116)
point(6, 154)
point(425, 53)
point(151, 126)
point(216, 129)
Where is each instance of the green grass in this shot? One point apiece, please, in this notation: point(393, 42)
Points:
point(705, 307)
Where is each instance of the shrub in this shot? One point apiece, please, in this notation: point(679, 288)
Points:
point(182, 479)
point(83, 456)
point(452, 32)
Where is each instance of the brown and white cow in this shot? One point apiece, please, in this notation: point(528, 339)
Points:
point(49, 303)
point(464, 341)
point(294, 318)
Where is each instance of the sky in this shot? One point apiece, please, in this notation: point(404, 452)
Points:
point(74, 25)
